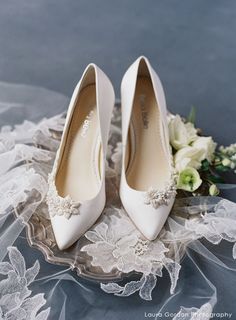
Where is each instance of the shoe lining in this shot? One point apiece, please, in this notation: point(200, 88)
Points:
point(147, 164)
point(79, 173)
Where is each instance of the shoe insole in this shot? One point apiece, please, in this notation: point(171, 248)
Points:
point(79, 172)
point(147, 160)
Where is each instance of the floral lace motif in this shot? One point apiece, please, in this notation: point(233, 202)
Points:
point(58, 205)
point(116, 243)
point(16, 301)
point(202, 313)
point(116, 240)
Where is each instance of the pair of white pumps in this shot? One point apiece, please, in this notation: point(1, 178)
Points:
point(76, 195)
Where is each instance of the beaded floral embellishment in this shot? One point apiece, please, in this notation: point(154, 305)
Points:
point(58, 205)
point(157, 198)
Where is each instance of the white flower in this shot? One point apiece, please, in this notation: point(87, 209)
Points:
point(188, 157)
point(226, 162)
point(208, 145)
point(213, 190)
point(181, 134)
point(229, 151)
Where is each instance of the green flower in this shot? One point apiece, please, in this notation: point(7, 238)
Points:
point(189, 180)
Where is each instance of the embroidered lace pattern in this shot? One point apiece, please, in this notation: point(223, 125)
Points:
point(16, 299)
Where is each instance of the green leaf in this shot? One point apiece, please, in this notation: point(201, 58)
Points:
point(214, 178)
point(205, 165)
point(192, 115)
point(222, 168)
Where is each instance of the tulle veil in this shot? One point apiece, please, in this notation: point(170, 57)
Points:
point(189, 273)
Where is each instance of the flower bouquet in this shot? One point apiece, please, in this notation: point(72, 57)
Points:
point(199, 166)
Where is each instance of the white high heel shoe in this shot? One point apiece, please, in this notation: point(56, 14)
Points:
point(76, 195)
point(147, 187)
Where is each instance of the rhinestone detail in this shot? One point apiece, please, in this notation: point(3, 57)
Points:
point(59, 206)
point(157, 198)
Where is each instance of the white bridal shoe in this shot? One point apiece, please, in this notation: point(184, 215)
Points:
point(76, 195)
point(147, 188)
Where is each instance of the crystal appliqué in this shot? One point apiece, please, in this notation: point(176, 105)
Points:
point(58, 205)
point(157, 198)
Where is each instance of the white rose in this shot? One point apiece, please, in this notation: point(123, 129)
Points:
point(208, 145)
point(181, 134)
point(188, 157)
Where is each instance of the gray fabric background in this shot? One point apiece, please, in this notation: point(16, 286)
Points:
point(191, 44)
